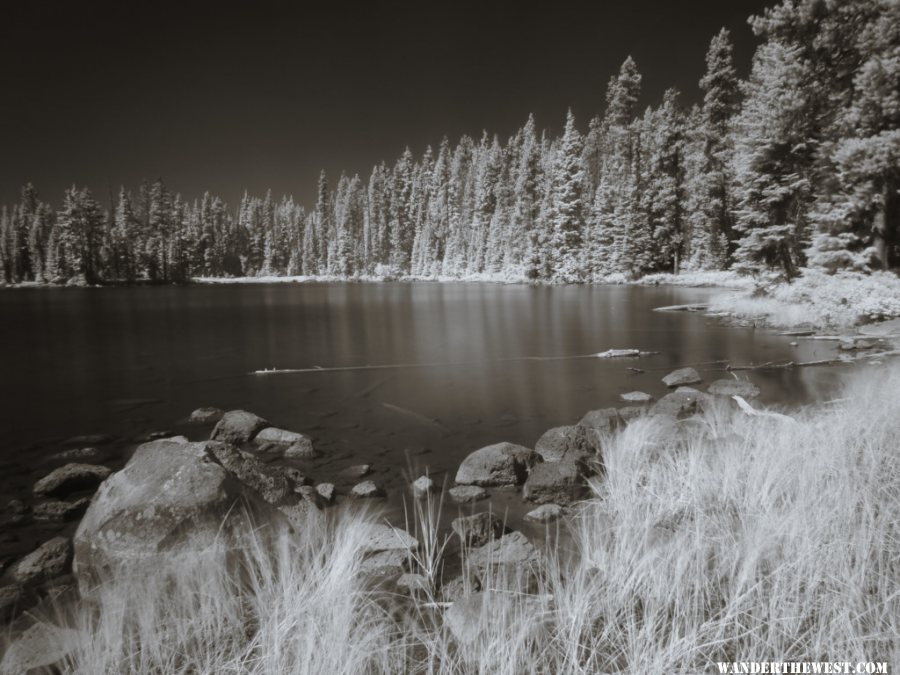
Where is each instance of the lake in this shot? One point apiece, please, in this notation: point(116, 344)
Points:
point(477, 363)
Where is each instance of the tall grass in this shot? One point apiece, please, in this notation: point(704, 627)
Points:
point(720, 538)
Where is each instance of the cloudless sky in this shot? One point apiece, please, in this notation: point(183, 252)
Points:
point(256, 95)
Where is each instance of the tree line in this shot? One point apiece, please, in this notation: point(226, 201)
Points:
point(797, 165)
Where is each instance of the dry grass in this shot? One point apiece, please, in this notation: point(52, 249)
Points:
point(726, 537)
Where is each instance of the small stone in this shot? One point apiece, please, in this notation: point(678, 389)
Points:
point(49, 560)
point(478, 529)
point(636, 397)
point(16, 506)
point(682, 376)
point(300, 449)
point(61, 510)
point(422, 487)
point(366, 490)
point(72, 478)
point(383, 537)
point(356, 471)
point(208, 415)
point(326, 492)
point(546, 513)
point(464, 494)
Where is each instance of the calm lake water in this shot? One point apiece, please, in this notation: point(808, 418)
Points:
point(485, 362)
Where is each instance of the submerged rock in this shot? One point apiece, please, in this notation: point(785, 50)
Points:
point(207, 415)
point(89, 439)
point(559, 482)
point(495, 465)
point(464, 494)
point(356, 471)
point(732, 387)
point(478, 529)
point(238, 426)
point(89, 454)
point(682, 376)
point(72, 478)
point(51, 559)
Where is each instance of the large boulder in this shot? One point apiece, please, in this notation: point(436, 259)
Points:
point(70, 478)
point(478, 529)
point(561, 444)
point(49, 560)
point(171, 499)
point(238, 426)
point(555, 482)
point(682, 377)
point(604, 420)
point(733, 387)
point(498, 464)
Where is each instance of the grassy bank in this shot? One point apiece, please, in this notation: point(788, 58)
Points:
point(817, 300)
point(719, 538)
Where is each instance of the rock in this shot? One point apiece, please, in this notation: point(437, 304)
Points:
point(412, 583)
point(565, 444)
point(326, 492)
point(61, 510)
point(511, 550)
point(636, 397)
point(731, 387)
point(680, 403)
point(170, 502)
point(301, 449)
point(602, 421)
point(546, 513)
point(72, 478)
point(478, 529)
point(155, 436)
point(464, 494)
point(476, 614)
point(208, 415)
point(356, 471)
point(40, 647)
point(559, 482)
point(365, 490)
point(631, 412)
point(16, 507)
point(295, 475)
point(49, 560)
point(178, 439)
point(382, 537)
point(280, 436)
point(498, 464)
point(459, 587)
point(682, 376)
point(270, 482)
point(238, 426)
point(385, 563)
point(854, 344)
point(86, 455)
point(422, 487)
point(11, 598)
point(89, 439)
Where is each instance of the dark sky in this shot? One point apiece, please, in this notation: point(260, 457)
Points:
point(226, 98)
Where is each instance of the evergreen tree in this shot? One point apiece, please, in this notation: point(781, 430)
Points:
point(568, 219)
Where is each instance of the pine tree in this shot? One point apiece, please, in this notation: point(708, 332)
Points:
point(568, 219)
